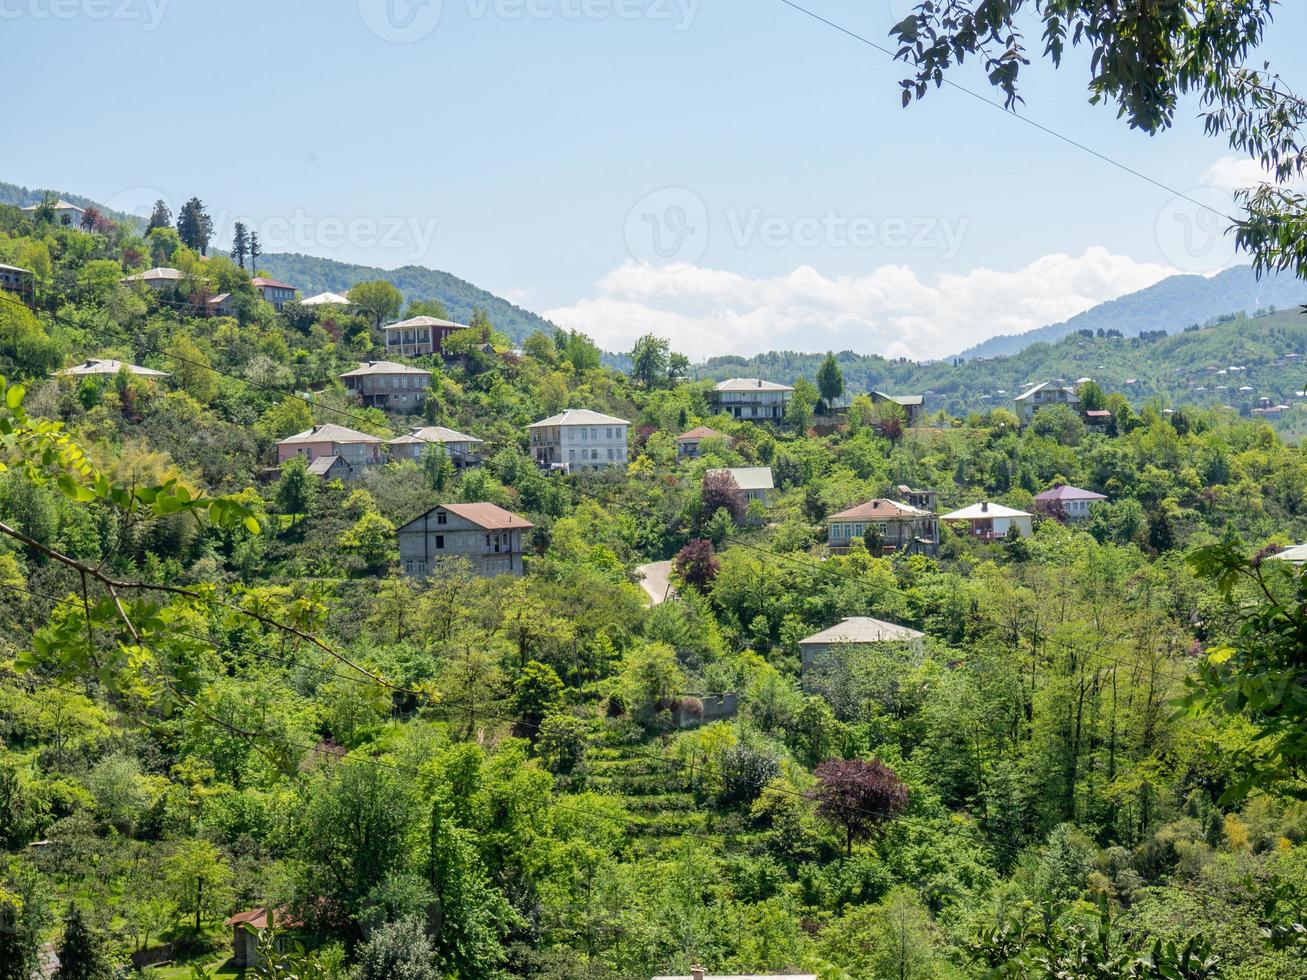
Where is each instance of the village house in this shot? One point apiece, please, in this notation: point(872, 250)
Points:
point(900, 527)
point(419, 336)
point(1098, 419)
point(1296, 555)
point(20, 282)
point(699, 973)
point(921, 499)
point(326, 299)
point(463, 450)
point(914, 406)
point(755, 482)
point(322, 445)
point(158, 278)
point(276, 294)
point(688, 443)
point(991, 522)
point(106, 367)
point(1043, 395)
point(224, 304)
point(751, 399)
point(67, 214)
point(579, 439)
point(485, 534)
point(389, 385)
point(1067, 503)
point(858, 631)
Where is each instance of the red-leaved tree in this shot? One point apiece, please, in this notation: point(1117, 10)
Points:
point(859, 796)
point(696, 564)
point(720, 490)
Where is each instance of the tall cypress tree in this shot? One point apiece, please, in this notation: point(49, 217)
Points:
point(255, 251)
point(240, 244)
point(81, 955)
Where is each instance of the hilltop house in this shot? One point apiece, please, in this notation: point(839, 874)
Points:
point(1043, 395)
point(463, 450)
point(755, 482)
point(990, 522)
point(66, 214)
point(326, 299)
point(579, 439)
point(751, 399)
point(103, 366)
point(488, 536)
point(419, 336)
point(858, 631)
point(1296, 555)
point(322, 445)
point(388, 385)
point(158, 278)
point(276, 294)
point(921, 499)
point(1067, 503)
point(20, 282)
point(901, 527)
point(687, 443)
point(914, 406)
point(221, 305)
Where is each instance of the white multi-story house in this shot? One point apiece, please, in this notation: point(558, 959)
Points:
point(991, 522)
point(751, 399)
point(486, 535)
point(1041, 396)
point(579, 439)
point(66, 214)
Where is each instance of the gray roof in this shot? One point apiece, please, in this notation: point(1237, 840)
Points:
point(578, 416)
point(383, 367)
point(59, 205)
point(1297, 555)
point(1047, 384)
point(326, 299)
point(750, 384)
point(863, 629)
point(156, 274)
point(907, 401)
point(102, 365)
point(14, 268)
point(423, 321)
point(434, 434)
point(750, 477)
point(322, 465)
point(329, 433)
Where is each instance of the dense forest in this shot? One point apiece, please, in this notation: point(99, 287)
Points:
point(219, 693)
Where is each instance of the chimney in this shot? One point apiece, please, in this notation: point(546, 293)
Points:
point(696, 973)
point(984, 506)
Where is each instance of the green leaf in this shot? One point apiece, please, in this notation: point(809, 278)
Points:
point(251, 525)
point(14, 397)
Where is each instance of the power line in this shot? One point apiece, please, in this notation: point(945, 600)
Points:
point(1048, 130)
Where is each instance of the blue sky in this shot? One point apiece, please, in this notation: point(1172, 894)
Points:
point(734, 175)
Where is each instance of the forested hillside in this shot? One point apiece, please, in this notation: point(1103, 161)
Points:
point(1171, 305)
point(221, 691)
point(1181, 369)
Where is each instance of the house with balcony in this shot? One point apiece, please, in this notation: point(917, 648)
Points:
point(356, 450)
point(1042, 396)
point(688, 443)
point(900, 527)
point(579, 439)
point(275, 294)
point(488, 536)
point(1067, 504)
point(463, 450)
point(20, 282)
point(419, 336)
point(389, 385)
point(158, 278)
point(988, 522)
point(912, 406)
point(751, 399)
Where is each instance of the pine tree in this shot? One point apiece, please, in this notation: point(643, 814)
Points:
point(161, 217)
point(194, 226)
point(255, 251)
point(240, 244)
point(81, 955)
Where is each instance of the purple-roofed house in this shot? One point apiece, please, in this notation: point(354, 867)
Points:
point(1067, 503)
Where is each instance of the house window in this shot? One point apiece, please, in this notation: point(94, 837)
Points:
point(440, 542)
point(408, 568)
point(441, 517)
point(422, 568)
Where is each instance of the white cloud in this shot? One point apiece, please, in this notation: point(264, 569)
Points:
point(1229, 174)
point(887, 311)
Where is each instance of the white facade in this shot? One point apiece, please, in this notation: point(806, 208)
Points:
point(751, 399)
point(580, 440)
point(1041, 396)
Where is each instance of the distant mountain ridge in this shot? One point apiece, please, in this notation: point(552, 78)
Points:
point(1171, 305)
